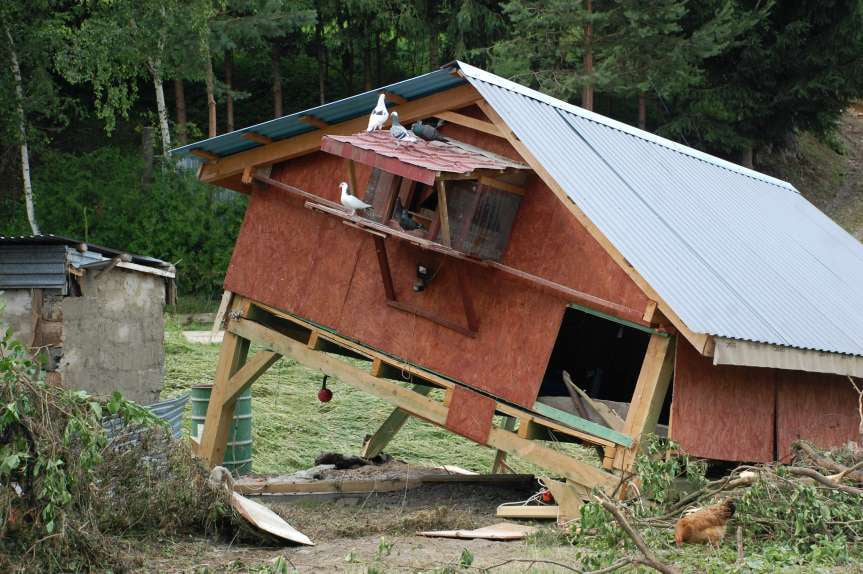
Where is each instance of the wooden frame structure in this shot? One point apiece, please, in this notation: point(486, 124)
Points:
point(282, 334)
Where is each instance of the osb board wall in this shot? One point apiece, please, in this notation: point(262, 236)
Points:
point(816, 407)
point(728, 413)
point(313, 265)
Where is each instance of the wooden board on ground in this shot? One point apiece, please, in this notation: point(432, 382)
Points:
point(528, 511)
point(267, 520)
point(500, 531)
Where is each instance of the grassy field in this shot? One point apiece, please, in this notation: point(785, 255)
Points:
point(290, 426)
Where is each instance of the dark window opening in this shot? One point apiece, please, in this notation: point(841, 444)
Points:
point(602, 357)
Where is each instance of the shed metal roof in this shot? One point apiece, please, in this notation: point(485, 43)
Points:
point(332, 113)
point(735, 253)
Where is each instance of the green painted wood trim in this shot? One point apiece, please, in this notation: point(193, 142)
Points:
point(583, 425)
point(618, 320)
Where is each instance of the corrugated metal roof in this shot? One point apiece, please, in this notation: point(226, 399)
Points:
point(431, 157)
point(735, 253)
point(33, 267)
point(332, 113)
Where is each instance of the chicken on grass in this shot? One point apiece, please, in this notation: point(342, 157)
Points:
point(705, 525)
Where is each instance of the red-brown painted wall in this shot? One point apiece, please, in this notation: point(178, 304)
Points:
point(728, 413)
point(312, 265)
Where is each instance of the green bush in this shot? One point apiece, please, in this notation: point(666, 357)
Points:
point(102, 197)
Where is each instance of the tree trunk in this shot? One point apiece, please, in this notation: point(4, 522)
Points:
point(322, 59)
point(642, 111)
point(22, 132)
point(180, 105)
point(229, 98)
point(378, 49)
point(161, 108)
point(367, 64)
point(434, 50)
point(147, 153)
point(211, 98)
point(747, 158)
point(275, 64)
point(587, 91)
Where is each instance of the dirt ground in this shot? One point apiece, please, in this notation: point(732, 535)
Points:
point(367, 533)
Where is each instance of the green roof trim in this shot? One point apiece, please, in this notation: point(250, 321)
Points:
point(583, 425)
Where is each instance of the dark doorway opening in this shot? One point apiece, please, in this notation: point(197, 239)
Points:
point(602, 356)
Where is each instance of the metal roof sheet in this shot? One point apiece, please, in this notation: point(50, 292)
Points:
point(735, 253)
point(78, 258)
point(332, 113)
point(432, 157)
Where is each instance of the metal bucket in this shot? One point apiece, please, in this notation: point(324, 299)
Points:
point(238, 453)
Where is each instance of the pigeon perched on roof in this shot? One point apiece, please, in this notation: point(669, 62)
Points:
point(426, 131)
point(379, 114)
point(398, 131)
point(403, 217)
point(351, 201)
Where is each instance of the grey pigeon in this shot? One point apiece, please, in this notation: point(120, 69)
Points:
point(398, 131)
point(426, 131)
point(403, 217)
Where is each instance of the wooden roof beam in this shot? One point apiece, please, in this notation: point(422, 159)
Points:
point(205, 154)
point(469, 122)
point(309, 142)
point(314, 122)
point(394, 97)
point(257, 138)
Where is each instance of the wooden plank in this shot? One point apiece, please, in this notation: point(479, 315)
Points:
point(502, 185)
point(352, 176)
point(220, 412)
point(251, 486)
point(469, 122)
point(526, 512)
point(257, 138)
point(499, 464)
point(433, 317)
point(248, 175)
point(467, 302)
point(394, 97)
point(309, 142)
point(314, 122)
point(258, 175)
point(650, 390)
point(443, 213)
point(422, 407)
point(698, 340)
point(377, 442)
point(147, 269)
point(248, 374)
point(585, 425)
point(528, 419)
point(384, 265)
point(611, 419)
point(205, 155)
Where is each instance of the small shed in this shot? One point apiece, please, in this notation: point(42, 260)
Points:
point(583, 279)
point(92, 313)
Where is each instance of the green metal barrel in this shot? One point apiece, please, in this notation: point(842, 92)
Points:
point(238, 453)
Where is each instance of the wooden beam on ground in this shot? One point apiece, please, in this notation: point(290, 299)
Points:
point(314, 122)
point(377, 442)
point(654, 379)
point(309, 142)
point(700, 341)
point(528, 511)
point(220, 411)
point(205, 154)
point(469, 122)
point(257, 138)
point(422, 407)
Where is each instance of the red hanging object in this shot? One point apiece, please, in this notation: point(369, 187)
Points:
point(325, 394)
point(546, 497)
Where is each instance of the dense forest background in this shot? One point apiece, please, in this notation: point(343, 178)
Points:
point(96, 91)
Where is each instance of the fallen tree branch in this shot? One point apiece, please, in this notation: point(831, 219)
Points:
point(650, 558)
point(709, 489)
point(616, 565)
point(828, 463)
point(818, 477)
point(850, 472)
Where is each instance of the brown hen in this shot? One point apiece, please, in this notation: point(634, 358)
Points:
point(705, 525)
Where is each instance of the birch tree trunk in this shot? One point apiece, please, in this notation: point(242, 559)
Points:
point(22, 130)
point(211, 98)
point(155, 66)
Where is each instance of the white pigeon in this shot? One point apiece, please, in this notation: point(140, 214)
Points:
point(351, 201)
point(399, 132)
point(379, 114)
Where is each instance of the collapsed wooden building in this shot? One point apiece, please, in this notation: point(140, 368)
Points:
point(673, 287)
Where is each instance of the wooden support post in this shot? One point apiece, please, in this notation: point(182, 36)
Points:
point(499, 464)
point(377, 442)
point(383, 262)
point(653, 381)
point(446, 238)
point(352, 177)
point(423, 407)
point(220, 411)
